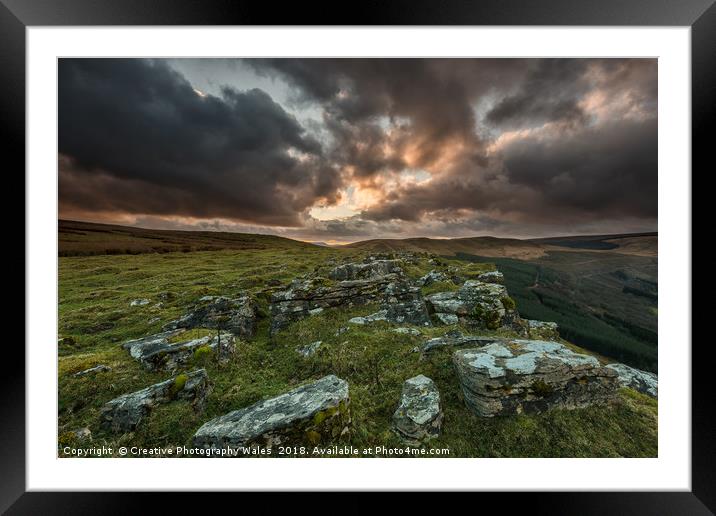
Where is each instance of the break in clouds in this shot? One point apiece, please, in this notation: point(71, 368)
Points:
point(351, 149)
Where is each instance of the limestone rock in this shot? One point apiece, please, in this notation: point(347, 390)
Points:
point(125, 413)
point(309, 349)
point(642, 381)
point(447, 319)
point(432, 277)
point(531, 376)
point(139, 302)
point(236, 315)
point(156, 353)
point(315, 413)
point(419, 416)
point(542, 329)
point(485, 305)
point(380, 315)
point(101, 368)
point(370, 269)
point(404, 303)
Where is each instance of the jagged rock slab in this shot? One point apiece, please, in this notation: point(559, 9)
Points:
point(236, 315)
point(419, 416)
point(455, 339)
point(642, 381)
point(156, 353)
point(304, 297)
point(531, 376)
point(485, 305)
point(125, 413)
point(315, 413)
point(367, 270)
point(101, 368)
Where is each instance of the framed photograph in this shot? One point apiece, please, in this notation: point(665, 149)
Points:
point(420, 249)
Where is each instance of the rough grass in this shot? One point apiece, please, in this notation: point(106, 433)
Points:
point(95, 293)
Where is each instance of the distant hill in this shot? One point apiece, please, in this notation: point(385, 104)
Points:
point(86, 238)
point(639, 244)
point(483, 246)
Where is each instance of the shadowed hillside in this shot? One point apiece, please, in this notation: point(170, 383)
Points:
point(484, 246)
point(87, 239)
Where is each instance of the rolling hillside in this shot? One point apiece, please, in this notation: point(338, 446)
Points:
point(87, 239)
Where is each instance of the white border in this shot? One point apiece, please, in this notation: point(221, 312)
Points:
point(672, 468)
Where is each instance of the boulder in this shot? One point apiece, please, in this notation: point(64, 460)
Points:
point(311, 414)
point(236, 315)
point(156, 353)
point(447, 319)
point(642, 381)
point(101, 368)
point(484, 305)
point(542, 329)
point(419, 416)
point(367, 270)
point(125, 413)
point(304, 297)
point(531, 376)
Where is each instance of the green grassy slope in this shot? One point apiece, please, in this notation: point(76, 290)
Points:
point(94, 297)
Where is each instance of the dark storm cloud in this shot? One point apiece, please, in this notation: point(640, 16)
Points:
point(440, 147)
point(149, 143)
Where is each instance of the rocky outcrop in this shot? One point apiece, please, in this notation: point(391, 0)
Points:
point(101, 368)
point(304, 297)
point(235, 315)
point(531, 376)
point(311, 414)
point(404, 304)
point(455, 339)
point(542, 329)
point(642, 381)
point(484, 305)
point(367, 270)
point(125, 413)
point(157, 353)
point(419, 416)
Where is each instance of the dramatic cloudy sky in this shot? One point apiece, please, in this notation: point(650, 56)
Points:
point(340, 150)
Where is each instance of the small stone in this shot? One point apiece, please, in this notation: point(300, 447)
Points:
point(139, 302)
point(83, 434)
point(101, 368)
point(407, 331)
point(378, 316)
point(315, 311)
point(419, 416)
point(309, 349)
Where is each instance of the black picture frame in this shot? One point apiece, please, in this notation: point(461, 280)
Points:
point(700, 15)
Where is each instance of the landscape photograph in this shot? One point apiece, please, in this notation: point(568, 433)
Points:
point(357, 258)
